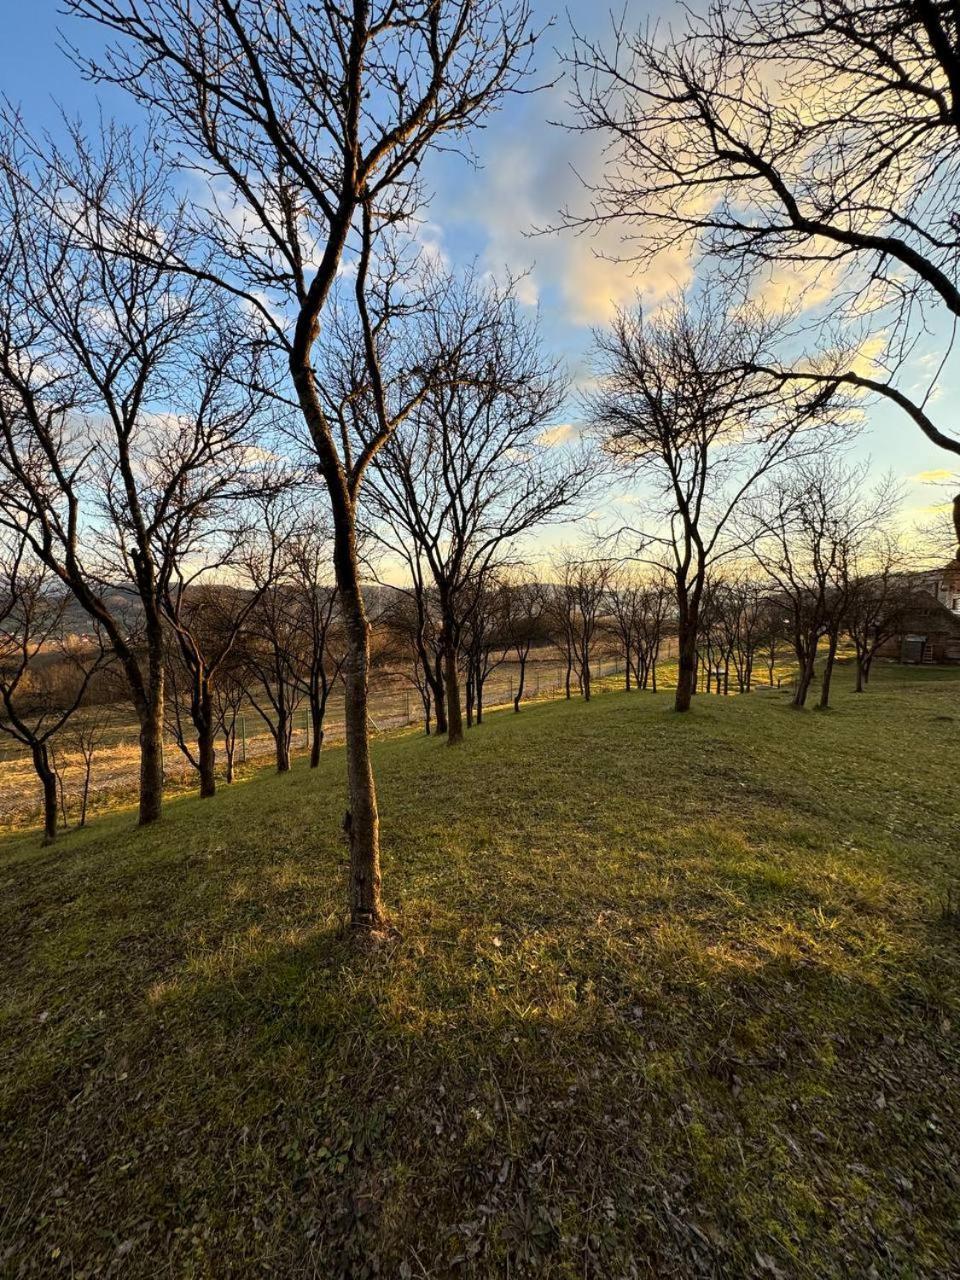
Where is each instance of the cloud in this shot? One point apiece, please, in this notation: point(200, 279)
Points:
point(937, 476)
point(561, 434)
point(803, 286)
point(866, 360)
point(525, 182)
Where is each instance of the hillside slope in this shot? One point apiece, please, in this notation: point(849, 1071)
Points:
point(671, 996)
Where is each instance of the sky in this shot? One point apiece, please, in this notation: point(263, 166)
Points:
point(526, 170)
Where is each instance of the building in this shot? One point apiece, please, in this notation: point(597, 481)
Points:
point(945, 586)
point(929, 628)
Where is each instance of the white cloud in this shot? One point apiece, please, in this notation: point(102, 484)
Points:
point(525, 183)
point(561, 434)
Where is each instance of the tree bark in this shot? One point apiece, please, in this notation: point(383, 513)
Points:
point(686, 664)
point(151, 754)
point(805, 678)
point(362, 820)
point(85, 798)
point(206, 749)
point(452, 686)
point(828, 671)
point(439, 700)
point(521, 677)
point(316, 733)
point(282, 743)
point(207, 761)
point(48, 780)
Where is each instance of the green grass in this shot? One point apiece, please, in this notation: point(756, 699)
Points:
point(669, 996)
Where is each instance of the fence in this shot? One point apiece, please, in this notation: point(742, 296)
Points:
point(394, 705)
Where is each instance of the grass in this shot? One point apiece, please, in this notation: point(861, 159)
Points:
point(670, 996)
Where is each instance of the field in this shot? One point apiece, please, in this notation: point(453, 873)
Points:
point(394, 704)
point(668, 996)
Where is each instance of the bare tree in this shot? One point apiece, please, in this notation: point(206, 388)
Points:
point(229, 697)
point(775, 630)
point(486, 643)
point(680, 405)
point(88, 731)
point(637, 607)
point(32, 632)
point(879, 589)
point(308, 579)
point(411, 629)
point(272, 649)
point(624, 598)
point(524, 620)
point(125, 409)
point(816, 139)
point(207, 617)
point(581, 596)
point(807, 525)
point(740, 618)
point(316, 118)
point(561, 619)
point(469, 472)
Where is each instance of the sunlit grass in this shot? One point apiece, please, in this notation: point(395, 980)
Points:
point(667, 994)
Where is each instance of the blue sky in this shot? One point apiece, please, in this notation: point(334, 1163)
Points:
point(525, 173)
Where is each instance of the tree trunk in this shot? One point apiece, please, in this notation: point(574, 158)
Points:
point(85, 798)
point(316, 733)
point(207, 761)
point(439, 699)
point(686, 665)
point(206, 750)
point(452, 685)
point(282, 743)
point(805, 677)
point(828, 672)
point(229, 749)
point(151, 755)
point(362, 821)
point(48, 780)
point(520, 681)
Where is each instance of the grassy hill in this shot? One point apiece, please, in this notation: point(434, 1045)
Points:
point(669, 996)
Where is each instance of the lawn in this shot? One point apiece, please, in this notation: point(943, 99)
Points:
point(671, 996)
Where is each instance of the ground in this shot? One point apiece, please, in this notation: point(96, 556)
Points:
point(671, 996)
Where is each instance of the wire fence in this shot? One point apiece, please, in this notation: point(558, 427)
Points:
point(394, 706)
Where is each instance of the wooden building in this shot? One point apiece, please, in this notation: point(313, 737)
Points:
point(930, 623)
